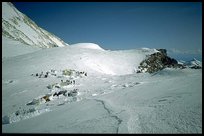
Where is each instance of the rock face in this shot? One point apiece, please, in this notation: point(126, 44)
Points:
point(158, 61)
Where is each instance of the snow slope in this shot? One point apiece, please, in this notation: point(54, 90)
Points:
point(83, 59)
point(112, 98)
point(112, 104)
point(11, 48)
point(18, 27)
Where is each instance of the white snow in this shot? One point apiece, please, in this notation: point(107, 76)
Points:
point(83, 59)
point(88, 45)
point(110, 99)
point(98, 92)
point(9, 11)
point(193, 62)
point(57, 41)
point(11, 48)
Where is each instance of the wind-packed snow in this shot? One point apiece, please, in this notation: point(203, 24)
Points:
point(105, 95)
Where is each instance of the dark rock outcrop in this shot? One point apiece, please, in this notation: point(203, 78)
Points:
point(158, 61)
point(163, 51)
point(196, 67)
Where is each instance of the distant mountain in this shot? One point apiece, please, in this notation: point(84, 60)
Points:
point(17, 26)
point(194, 63)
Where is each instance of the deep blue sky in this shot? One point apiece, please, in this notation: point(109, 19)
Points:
point(176, 26)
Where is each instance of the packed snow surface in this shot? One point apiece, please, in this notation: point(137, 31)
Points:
point(11, 48)
point(97, 91)
point(83, 59)
point(88, 45)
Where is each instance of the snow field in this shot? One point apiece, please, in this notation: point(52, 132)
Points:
point(135, 109)
point(112, 98)
point(83, 88)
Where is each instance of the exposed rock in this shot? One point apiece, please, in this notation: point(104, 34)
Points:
point(46, 97)
point(5, 120)
point(158, 61)
point(163, 51)
point(60, 93)
point(196, 67)
point(73, 93)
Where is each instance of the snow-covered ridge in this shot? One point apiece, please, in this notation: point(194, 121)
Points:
point(194, 62)
point(19, 27)
point(191, 63)
point(88, 45)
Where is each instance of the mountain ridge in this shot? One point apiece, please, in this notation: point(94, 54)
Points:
point(17, 26)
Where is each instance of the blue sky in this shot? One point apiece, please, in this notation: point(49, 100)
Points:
point(176, 26)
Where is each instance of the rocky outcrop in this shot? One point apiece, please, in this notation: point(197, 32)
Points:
point(158, 61)
point(196, 67)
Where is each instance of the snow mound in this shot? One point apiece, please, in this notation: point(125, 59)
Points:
point(144, 49)
point(92, 61)
point(88, 45)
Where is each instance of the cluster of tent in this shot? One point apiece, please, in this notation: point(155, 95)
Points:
point(49, 97)
point(65, 72)
point(70, 72)
point(46, 74)
point(58, 89)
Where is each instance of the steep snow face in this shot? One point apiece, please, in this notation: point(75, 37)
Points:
point(17, 26)
point(88, 45)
